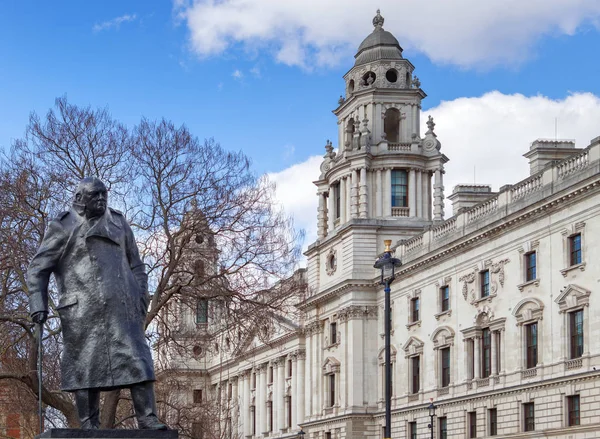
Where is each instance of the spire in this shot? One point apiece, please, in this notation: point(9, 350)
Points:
point(378, 21)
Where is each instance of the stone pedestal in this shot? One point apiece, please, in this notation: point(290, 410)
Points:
point(76, 433)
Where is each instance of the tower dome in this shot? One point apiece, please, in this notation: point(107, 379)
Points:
point(379, 44)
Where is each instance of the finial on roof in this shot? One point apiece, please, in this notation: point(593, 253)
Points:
point(378, 20)
point(430, 124)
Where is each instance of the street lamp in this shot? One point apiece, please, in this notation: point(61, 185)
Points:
point(431, 408)
point(301, 434)
point(387, 265)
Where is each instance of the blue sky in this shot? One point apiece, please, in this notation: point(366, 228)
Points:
point(179, 60)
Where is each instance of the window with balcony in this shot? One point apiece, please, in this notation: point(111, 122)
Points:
point(530, 266)
point(444, 298)
point(531, 341)
point(414, 310)
point(575, 249)
point(486, 352)
point(484, 283)
point(576, 333)
point(399, 188)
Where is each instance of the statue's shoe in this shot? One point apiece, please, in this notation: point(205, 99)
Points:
point(151, 423)
point(90, 425)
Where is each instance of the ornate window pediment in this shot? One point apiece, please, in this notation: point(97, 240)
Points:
point(572, 296)
point(528, 310)
point(330, 366)
point(381, 355)
point(413, 346)
point(442, 336)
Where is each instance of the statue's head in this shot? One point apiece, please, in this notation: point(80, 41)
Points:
point(92, 195)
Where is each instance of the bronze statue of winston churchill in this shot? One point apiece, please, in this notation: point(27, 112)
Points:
point(102, 304)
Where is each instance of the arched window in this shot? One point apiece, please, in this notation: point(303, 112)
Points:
point(391, 125)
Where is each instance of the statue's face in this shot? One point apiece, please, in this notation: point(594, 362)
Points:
point(94, 196)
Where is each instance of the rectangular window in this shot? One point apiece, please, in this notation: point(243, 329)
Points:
point(270, 374)
point(412, 430)
point(573, 410)
point(414, 310)
point(290, 369)
point(254, 380)
point(197, 396)
point(331, 390)
point(445, 298)
point(229, 391)
point(529, 417)
point(289, 411)
point(472, 424)
point(253, 412)
point(486, 353)
point(576, 333)
point(337, 195)
point(270, 415)
point(484, 279)
point(399, 188)
point(575, 249)
point(530, 266)
point(202, 311)
point(531, 341)
point(327, 435)
point(416, 374)
point(445, 367)
point(443, 426)
point(493, 421)
point(333, 332)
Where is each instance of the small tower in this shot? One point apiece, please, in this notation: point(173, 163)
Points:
point(384, 169)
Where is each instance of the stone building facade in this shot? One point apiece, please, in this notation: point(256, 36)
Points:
point(495, 317)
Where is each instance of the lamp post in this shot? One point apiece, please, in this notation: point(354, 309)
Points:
point(431, 416)
point(301, 434)
point(387, 265)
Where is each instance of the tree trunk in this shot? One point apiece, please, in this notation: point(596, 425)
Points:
point(109, 410)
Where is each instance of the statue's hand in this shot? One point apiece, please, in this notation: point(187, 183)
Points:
point(39, 317)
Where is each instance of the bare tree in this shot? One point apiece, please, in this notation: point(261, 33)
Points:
point(176, 191)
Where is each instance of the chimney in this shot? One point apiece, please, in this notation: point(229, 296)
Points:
point(465, 196)
point(545, 152)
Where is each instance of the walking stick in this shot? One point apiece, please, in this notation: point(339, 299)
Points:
point(40, 330)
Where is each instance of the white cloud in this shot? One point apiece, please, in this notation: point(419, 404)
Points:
point(468, 33)
point(237, 74)
point(255, 71)
point(491, 132)
point(114, 23)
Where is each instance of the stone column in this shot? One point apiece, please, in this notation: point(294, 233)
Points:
point(412, 193)
point(317, 391)
point(387, 193)
point(343, 200)
point(331, 209)
point(415, 119)
point(247, 427)
point(419, 198)
point(425, 197)
point(281, 408)
point(261, 405)
point(438, 196)
point(348, 197)
point(363, 195)
point(322, 216)
point(300, 391)
point(379, 197)
point(308, 376)
point(354, 195)
point(502, 357)
point(477, 354)
point(494, 368)
point(429, 197)
point(235, 411)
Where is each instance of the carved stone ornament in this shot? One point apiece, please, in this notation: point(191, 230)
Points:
point(357, 312)
point(331, 262)
point(467, 279)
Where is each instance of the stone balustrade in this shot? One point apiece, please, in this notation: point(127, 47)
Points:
point(502, 204)
point(403, 146)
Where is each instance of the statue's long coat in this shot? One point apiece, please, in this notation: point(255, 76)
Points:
point(103, 299)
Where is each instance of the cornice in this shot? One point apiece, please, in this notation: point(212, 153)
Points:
point(334, 292)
